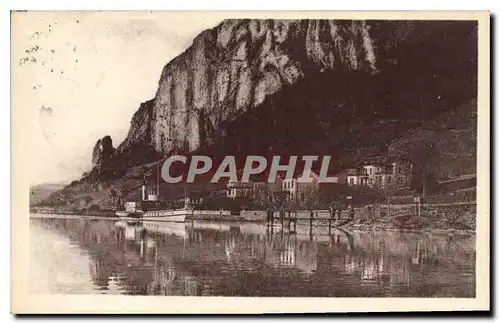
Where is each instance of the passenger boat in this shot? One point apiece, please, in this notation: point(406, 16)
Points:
point(127, 214)
point(159, 212)
point(152, 209)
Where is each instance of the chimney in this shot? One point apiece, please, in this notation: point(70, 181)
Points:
point(143, 192)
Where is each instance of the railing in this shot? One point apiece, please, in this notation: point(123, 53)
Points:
point(461, 197)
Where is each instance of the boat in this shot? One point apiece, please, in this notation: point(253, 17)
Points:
point(153, 210)
point(127, 214)
point(159, 211)
point(150, 208)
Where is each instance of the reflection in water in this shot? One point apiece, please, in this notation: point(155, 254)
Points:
point(229, 259)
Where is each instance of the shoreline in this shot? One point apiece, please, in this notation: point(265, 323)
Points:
point(348, 227)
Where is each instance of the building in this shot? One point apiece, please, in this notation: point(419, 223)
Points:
point(357, 177)
point(382, 172)
point(263, 191)
point(239, 189)
point(299, 190)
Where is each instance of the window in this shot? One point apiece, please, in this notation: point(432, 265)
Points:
point(351, 181)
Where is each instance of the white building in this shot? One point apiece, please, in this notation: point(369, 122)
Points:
point(382, 172)
point(239, 189)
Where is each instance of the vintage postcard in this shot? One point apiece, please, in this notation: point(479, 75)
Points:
point(250, 162)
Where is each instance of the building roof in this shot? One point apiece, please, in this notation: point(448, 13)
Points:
point(381, 160)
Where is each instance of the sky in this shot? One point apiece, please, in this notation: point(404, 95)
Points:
point(81, 75)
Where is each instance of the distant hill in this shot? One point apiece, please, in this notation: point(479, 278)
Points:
point(42, 191)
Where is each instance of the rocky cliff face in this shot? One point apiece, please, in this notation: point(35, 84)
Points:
point(232, 69)
point(102, 153)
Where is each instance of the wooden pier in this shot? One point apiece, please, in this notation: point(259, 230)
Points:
point(288, 219)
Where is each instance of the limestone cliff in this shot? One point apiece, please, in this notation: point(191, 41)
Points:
point(237, 66)
point(233, 67)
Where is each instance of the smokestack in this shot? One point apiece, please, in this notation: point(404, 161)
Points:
point(143, 192)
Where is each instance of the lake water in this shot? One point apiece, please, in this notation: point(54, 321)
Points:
point(77, 255)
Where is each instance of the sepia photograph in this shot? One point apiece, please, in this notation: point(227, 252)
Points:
point(159, 155)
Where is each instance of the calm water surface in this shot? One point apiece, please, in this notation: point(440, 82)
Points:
point(77, 256)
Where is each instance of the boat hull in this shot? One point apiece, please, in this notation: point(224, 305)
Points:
point(128, 215)
point(177, 216)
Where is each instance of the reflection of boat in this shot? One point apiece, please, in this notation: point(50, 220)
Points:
point(130, 233)
point(176, 229)
point(121, 224)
